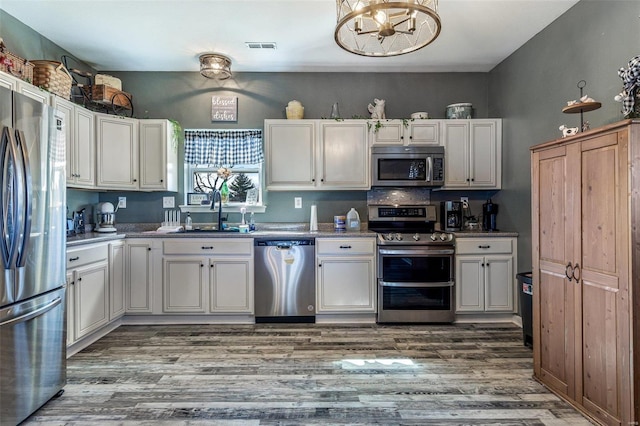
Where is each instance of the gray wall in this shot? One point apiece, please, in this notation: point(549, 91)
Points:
point(529, 89)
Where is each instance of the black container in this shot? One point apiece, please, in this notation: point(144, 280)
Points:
point(489, 214)
point(526, 306)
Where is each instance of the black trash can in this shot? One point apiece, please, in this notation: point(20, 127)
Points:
point(526, 306)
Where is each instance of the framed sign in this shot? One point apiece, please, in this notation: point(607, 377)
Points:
point(197, 198)
point(224, 108)
point(252, 197)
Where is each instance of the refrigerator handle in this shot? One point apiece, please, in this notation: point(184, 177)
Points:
point(25, 204)
point(8, 199)
point(35, 313)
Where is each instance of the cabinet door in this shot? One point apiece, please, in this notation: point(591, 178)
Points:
point(183, 285)
point(34, 92)
point(290, 151)
point(231, 286)
point(84, 148)
point(346, 285)
point(344, 156)
point(67, 108)
point(156, 146)
point(387, 132)
point(424, 132)
point(91, 298)
point(116, 280)
point(71, 311)
point(469, 284)
point(456, 146)
point(139, 277)
point(8, 81)
point(485, 158)
point(117, 152)
point(498, 283)
point(554, 301)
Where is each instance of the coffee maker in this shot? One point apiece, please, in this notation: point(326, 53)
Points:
point(451, 215)
point(489, 213)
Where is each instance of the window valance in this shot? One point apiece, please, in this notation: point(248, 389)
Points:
point(223, 147)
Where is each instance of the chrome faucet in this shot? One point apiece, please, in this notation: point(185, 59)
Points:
point(216, 194)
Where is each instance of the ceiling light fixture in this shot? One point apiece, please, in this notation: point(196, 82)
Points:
point(215, 66)
point(386, 28)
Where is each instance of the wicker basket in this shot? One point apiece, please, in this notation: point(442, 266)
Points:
point(108, 95)
point(53, 77)
point(15, 65)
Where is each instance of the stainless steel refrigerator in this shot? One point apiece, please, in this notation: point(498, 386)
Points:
point(32, 248)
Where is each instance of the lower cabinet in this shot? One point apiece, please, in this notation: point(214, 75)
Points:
point(346, 275)
point(117, 279)
point(88, 288)
point(485, 278)
point(207, 276)
point(139, 276)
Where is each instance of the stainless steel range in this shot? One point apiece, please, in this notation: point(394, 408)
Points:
point(415, 265)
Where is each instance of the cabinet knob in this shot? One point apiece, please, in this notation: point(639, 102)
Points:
point(73, 259)
point(211, 266)
point(149, 248)
point(484, 247)
point(79, 279)
point(135, 180)
point(161, 180)
point(207, 247)
point(345, 247)
point(201, 265)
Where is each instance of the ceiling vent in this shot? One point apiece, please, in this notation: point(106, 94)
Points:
point(260, 45)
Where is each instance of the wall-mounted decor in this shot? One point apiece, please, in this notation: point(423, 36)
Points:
point(224, 108)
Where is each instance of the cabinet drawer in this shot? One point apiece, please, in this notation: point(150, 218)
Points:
point(346, 246)
point(85, 255)
point(210, 246)
point(484, 246)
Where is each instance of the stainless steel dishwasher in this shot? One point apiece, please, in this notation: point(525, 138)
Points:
point(285, 280)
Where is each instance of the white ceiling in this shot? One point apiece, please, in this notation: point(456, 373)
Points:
point(169, 35)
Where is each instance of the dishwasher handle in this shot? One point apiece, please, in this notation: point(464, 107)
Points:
point(284, 244)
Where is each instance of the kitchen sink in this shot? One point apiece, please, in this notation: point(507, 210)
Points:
point(209, 229)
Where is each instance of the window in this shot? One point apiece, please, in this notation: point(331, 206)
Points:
point(206, 151)
point(202, 178)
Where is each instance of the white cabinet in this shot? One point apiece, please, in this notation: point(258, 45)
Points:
point(473, 154)
point(80, 144)
point(316, 155)
point(405, 132)
point(139, 267)
point(117, 152)
point(212, 275)
point(8, 81)
point(485, 279)
point(117, 279)
point(158, 156)
point(346, 278)
point(34, 92)
point(88, 278)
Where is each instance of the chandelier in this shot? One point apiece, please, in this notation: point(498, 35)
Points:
point(386, 27)
point(213, 65)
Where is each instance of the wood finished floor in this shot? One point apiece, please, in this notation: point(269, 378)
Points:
point(306, 374)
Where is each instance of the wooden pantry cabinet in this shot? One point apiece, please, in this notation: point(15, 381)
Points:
point(586, 258)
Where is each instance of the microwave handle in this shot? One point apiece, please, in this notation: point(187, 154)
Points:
point(430, 169)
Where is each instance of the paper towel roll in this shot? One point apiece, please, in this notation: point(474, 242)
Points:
point(313, 222)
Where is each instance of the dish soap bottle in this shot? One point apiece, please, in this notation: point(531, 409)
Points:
point(353, 220)
point(188, 224)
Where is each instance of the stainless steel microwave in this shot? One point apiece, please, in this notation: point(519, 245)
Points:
point(407, 166)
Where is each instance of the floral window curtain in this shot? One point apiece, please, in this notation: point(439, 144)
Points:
point(223, 147)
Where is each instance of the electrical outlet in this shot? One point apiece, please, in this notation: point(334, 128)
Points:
point(297, 202)
point(168, 202)
point(465, 202)
point(122, 202)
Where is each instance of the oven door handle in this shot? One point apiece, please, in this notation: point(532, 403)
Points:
point(421, 285)
point(392, 252)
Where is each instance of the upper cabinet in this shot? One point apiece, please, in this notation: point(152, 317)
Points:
point(81, 145)
point(136, 154)
point(158, 156)
point(473, 153)
point(405, 132)
point(117, 152)
point(316, 155)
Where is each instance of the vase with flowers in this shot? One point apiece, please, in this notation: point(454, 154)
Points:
point(224, 173)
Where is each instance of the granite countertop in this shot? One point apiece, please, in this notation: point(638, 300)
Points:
point(274, 230)
point(484, 234)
